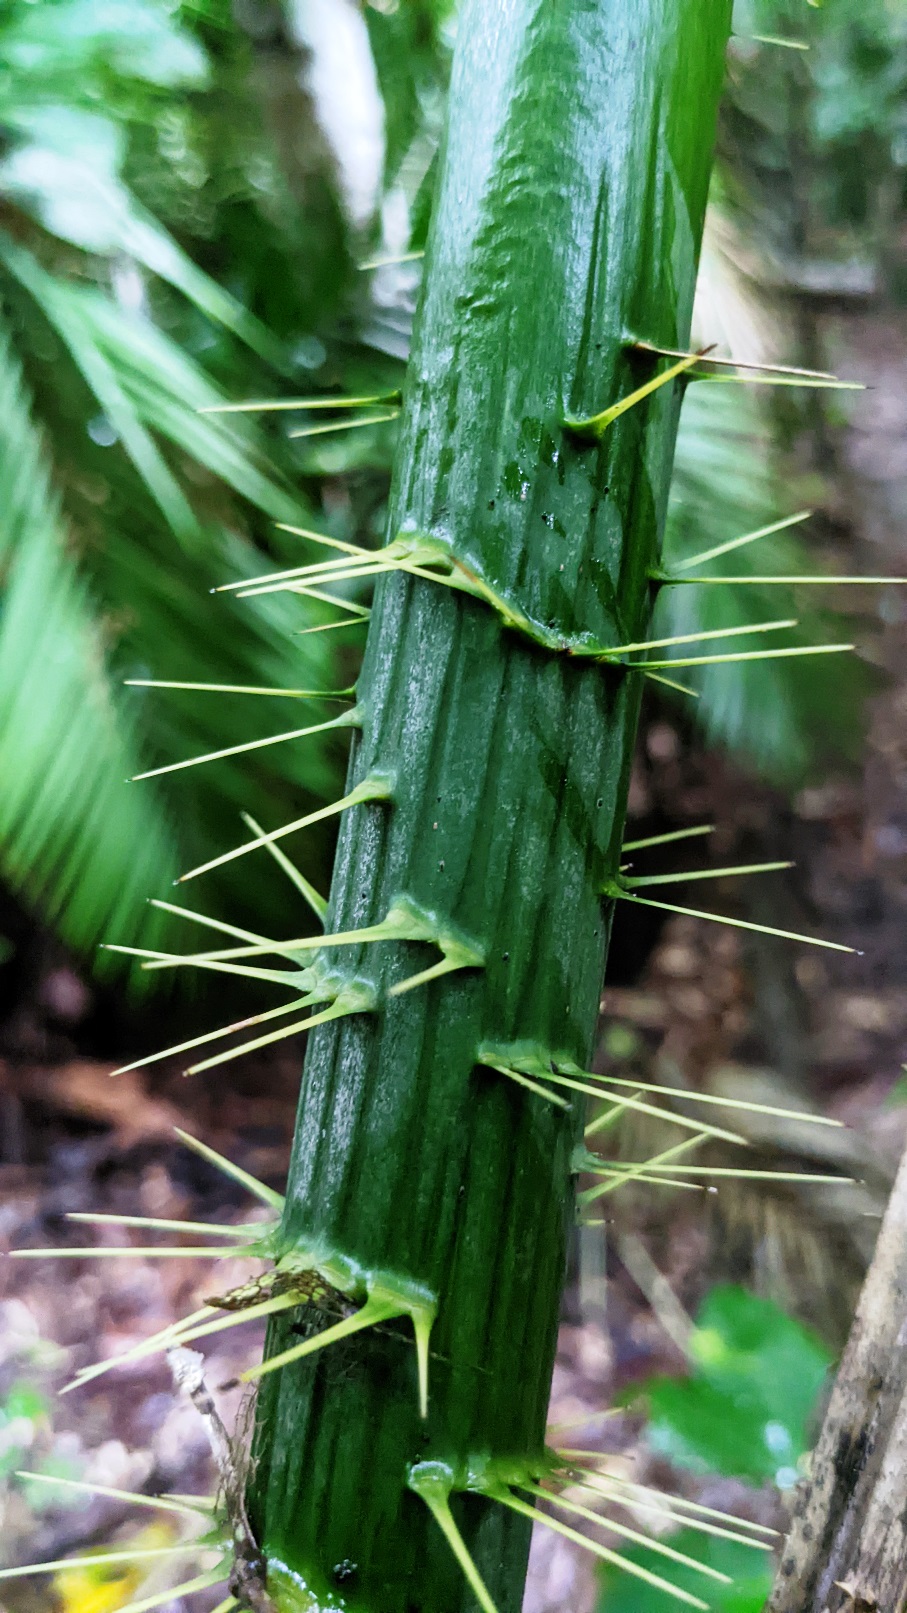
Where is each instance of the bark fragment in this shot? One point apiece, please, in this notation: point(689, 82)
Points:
point(847, 1547)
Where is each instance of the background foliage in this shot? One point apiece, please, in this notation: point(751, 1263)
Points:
point(171, 235)
point(746, 1410)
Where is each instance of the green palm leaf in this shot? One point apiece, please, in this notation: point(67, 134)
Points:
point(145, 385)
point(132, 599)
point(70, 835)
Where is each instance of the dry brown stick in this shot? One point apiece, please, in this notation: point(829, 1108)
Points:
point(248, 1575)
point(847, 1547)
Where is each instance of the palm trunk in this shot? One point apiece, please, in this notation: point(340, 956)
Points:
point(567, 224)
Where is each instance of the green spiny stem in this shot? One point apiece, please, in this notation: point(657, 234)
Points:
point(569, 212)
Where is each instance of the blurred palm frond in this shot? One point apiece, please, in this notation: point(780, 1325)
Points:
point(126, 506)
point(69, 831)
point(786, 718)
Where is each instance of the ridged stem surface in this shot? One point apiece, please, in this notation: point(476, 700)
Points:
point(567, 223)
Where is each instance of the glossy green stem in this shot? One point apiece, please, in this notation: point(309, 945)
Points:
point(567, 224)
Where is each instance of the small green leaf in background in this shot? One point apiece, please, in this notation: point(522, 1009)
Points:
point(620, 1042)
point(898, 1093)
point(24, 1400)
point(23, 1410)
point(744, 1411)
point(750, 1572)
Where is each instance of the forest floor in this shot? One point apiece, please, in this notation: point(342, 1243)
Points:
point(816, 1029)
